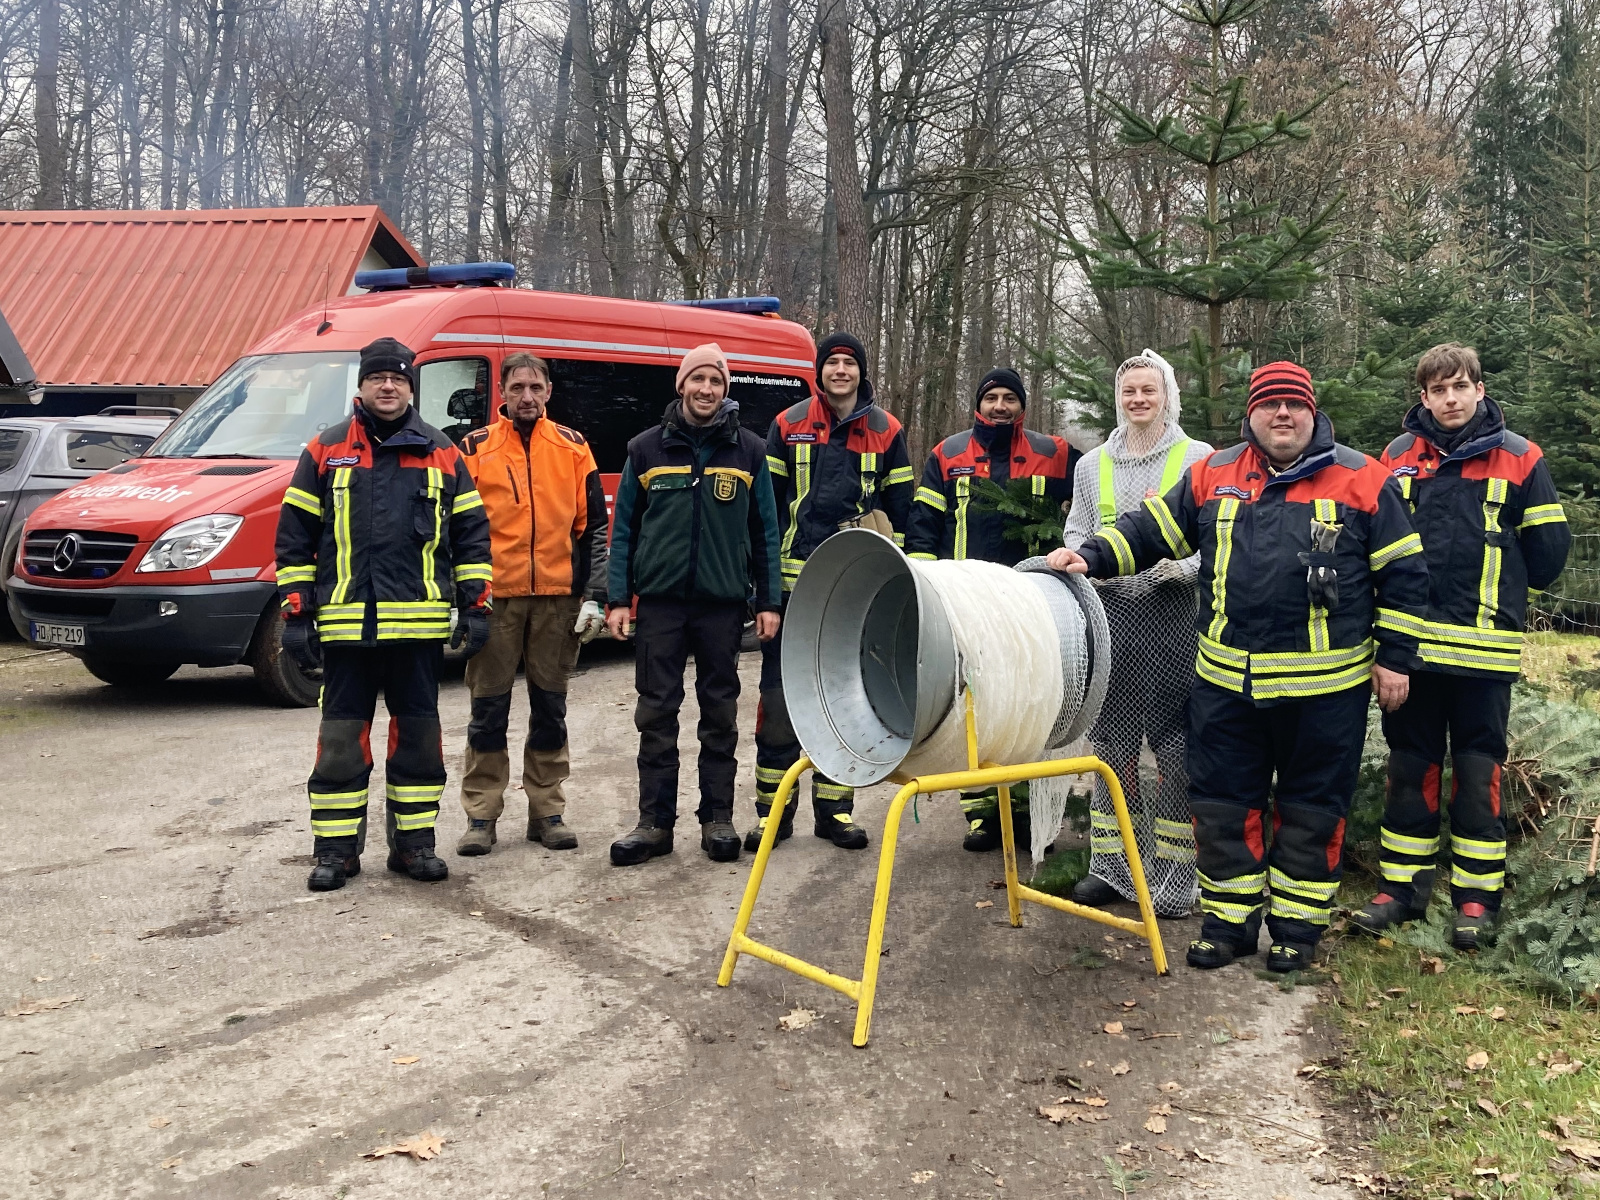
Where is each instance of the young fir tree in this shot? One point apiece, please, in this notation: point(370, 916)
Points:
point(1230, 248)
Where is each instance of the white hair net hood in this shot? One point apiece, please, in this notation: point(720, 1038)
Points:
point(1169, 385)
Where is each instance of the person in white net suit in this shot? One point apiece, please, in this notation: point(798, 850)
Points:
point(1151, 616)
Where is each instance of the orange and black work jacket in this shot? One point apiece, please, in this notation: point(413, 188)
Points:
point(827, 472)
point(546, 506)
point(1492, 527)
point(944, 522)
point(378, 538)
point(1261, 635)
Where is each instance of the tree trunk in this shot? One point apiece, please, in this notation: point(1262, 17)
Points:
point(499, 172)
point(778, 271)
point(47, 109)
point(589, 104)
point(553, 248)
point(475, 182)
point(853, 236)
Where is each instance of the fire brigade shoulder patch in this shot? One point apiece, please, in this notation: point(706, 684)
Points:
point(1224, 489)
point(722, 487)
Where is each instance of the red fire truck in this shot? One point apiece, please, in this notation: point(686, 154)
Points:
point(168, 558)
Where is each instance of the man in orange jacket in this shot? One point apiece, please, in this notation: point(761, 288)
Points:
point(547, 526)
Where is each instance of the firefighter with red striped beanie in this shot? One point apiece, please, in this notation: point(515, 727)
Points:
point(1311, 583)
point(1492, 527)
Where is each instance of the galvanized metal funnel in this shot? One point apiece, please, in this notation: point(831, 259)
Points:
point(863, 622)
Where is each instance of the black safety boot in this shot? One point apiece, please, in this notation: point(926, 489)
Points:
point(418, 861)
point(983, 835)
point(752, 837)
point(719, 839)
point(1284, 957)
point(1472, 925)
point(1094, 892)
point(1218, 945)
point(641, 845)
point(835, 824)
point(334, 867)
point(1382, 912)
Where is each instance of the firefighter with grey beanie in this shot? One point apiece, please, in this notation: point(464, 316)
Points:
point(1151, 616)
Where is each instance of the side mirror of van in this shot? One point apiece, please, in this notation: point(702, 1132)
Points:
point(468, 405)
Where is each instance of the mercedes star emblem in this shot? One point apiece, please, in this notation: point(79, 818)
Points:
point(66, 553)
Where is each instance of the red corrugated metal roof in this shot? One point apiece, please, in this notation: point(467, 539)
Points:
point(170, 299)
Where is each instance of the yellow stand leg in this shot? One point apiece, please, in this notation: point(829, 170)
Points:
point(864, 990)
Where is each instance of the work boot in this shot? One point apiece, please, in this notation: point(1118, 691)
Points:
point(643, 844)
point(1381, 912)
point(720, 840)
point(419, 862)
point(1217, 946)
point(752, 839)
point(477, 839)
point(1094, 892)
point(333, 868)
point(552, 831)
point(1473, 923)
point(1284, 957)
point(983, 835)
point(838, 828)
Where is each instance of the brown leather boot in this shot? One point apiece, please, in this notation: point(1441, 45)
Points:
point(552, 831)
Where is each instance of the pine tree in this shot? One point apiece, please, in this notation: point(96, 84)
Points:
point(1230, 249)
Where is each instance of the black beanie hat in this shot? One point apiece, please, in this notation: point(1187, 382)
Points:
point(386, 354)
point(1001, 377)
point(849, 344)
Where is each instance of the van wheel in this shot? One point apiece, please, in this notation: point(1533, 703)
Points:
point(278, 675)
point(121, 672)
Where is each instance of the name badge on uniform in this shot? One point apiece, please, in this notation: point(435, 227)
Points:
point(723, 487)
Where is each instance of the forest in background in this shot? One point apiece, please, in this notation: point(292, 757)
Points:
point(1049, 183)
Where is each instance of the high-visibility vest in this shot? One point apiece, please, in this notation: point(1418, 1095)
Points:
point(1170, 471)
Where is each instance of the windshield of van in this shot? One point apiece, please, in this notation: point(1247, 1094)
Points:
point(268, 406)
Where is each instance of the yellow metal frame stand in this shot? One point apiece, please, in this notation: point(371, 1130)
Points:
point(978, 775)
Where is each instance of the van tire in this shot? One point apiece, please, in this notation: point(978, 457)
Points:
point(278, 675)
point(129, 673)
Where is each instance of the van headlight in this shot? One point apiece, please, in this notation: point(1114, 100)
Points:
point(190, 544)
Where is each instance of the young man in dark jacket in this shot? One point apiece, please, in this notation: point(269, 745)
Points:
point(694, 531)
point(380, 528)
point(1492, 527)
point(837, 460)
point(946, 524)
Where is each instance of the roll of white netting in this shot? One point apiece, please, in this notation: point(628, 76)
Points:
point(1010, 657)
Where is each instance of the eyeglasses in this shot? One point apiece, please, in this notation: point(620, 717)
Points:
point(386, 377)
point(1295, 407)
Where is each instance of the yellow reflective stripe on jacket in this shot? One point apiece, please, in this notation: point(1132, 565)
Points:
point(1227, 510)
point(1303, 687)
point(899, 475)
point(1305, 661)
point(923, 556)
point(1293, 674)
point(1168, 525)
point(343, 549)
point(778, 466)
point(465, 572)
point(802, 484)
point(1445, 645)
point(1440, 655)
point(430, 579)
point(1171, 469)
point(1400, 622)
point(305, 501)
point(1323, 512)
point(1489, 580)
point(868, 479)
point(1499, 639)
point(1036, 484)
point(933, 498)
point(1394, 551)
point(1542, 514)
point(963, 498)
point(465, 502)
point(288, 575)
point(1119, 547)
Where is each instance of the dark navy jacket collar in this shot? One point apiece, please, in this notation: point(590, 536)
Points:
point(1322, 452)
point(412, 432)
point(1419, 422)
point(994, 437)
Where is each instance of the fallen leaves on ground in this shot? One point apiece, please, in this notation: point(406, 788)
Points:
point(1171, 1085)
point(1156, 1124)
point(1561, 1063)
point(1478, 1060)
point(1488, 1106)
point(1121, 1068)
point(796, 1018)
point(27, 1007)
point(1430, 964)
point(160, 1122)
point(1466, 1010)
point(1068, 1112)
point(1583, 1149)
point(425, 1145)
point(1408, 1033)
point(168, 1164)
point(1497, 1013)
point(1113, 1027)
point(923, 1176)
point(984, 904)
point(405, 1060)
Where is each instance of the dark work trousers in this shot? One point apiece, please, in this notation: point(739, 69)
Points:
point(667, 633)
point(407, 673)
point(1471, 713)
point(777, 747)
point(1235, 751)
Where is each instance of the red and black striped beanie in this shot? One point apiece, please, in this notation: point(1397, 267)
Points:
point(1281, 381)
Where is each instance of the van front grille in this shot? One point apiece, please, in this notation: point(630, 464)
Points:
point(76, 553)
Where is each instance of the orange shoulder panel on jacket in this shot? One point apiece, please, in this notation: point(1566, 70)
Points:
point(1501, 463)
point(1354, 480)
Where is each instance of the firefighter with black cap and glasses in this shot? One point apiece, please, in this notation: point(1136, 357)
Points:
point(1492, 527)
point(380, 530)
point(837, 461)
point(948, 521)
point(1312, 581)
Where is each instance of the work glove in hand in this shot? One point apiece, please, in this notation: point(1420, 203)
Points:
point(300, 641)
point(591, 622)
point(472, 627)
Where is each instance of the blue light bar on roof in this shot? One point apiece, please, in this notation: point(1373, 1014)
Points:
point(738, 304)
point(477, 274)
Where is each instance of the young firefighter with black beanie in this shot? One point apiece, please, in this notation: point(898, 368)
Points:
point(837, 460)
point(945, 524)
point(380, 528)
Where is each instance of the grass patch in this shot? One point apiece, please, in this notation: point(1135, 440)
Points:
point(1566, 665)
point(1523, 1123)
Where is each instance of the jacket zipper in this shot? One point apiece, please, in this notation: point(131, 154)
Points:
point(533, 533)
point(696, 470)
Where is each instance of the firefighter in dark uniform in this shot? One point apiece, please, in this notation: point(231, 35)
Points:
point(1492, 527)
point(945, 523)
point(381, 529)
point(1311, 581)
point(837, 460)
